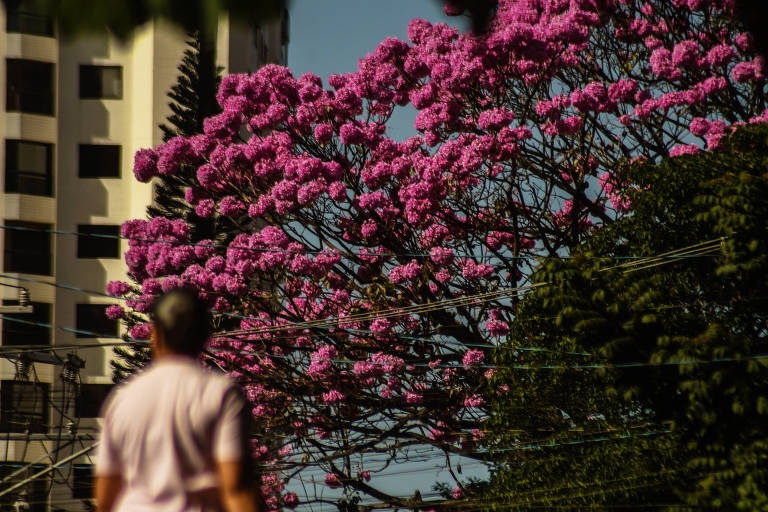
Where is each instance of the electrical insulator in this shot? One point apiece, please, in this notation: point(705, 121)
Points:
point(21, 505)
point(71, 370)
point(23, 368)
point(23, 297)
point(69, 374)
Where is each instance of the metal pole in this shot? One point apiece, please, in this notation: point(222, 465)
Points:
point(49, 469)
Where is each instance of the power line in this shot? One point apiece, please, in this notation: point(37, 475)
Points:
point(134, 340)
point(71, 330)
point(391, 312)
point(447, 303)
point(462, 502)
point(272, 467)
point(11, 285)
point(10, 352)
point(235, 315)
point(581, 366)
point(648, 262)
point(64, 286)
point(365, 254)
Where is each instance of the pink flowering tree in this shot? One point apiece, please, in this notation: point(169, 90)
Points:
point(362, 279)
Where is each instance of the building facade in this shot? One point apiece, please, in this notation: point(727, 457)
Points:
point(73, 115)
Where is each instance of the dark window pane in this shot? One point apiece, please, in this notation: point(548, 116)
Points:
point(93, 318)
point(101, 82)
point(285, 27)
point(27, 18)
point(285, 36)
point(28, 168)
point(103, 242)
point(29, 87)
point(89, 400)
point(19, 333)
point(82, 482)
point(24, 406)
point(27, 250)
point(99, 161)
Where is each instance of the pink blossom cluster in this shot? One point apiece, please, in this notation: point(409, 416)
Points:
point(473, 358)
point(615, 194)
point(347, 258)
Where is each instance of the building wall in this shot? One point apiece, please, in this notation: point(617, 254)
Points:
point(148, 68)
point(34, 127)
point(148, 60)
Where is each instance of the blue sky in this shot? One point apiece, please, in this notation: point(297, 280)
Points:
point(330, 36)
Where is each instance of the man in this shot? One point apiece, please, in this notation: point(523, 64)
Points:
point(174, 436)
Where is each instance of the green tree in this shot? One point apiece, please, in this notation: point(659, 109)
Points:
point(649, 383)
point(194, 93)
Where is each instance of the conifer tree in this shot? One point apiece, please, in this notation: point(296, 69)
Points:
point(193, 98)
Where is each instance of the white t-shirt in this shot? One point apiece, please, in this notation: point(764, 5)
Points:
point(164, 430)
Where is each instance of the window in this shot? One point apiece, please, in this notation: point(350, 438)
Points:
point(24, 406)
point(88, 404)
point(99, 161)
point(29, 87)
point(101, 82)
point(82, 482)
point(27, 18)
point(19, 333)
point(93, 318)
point(28, 168)
point(28, 248)
point(98, 241)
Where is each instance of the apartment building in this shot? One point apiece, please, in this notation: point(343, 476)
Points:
point(73, 114)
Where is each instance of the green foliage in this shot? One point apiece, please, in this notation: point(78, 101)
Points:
point(193, 98)
point(122, 17)
point(128, 360)
point(191, 101)
point(686, 426)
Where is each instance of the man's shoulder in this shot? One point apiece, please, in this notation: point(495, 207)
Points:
point(217, 380)
point(190, 374)
point(155, 379)
point(125, 386)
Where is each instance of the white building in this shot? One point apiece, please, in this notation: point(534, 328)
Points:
point(73, 114)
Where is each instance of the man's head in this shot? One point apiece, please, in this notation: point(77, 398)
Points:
point(180, 320)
